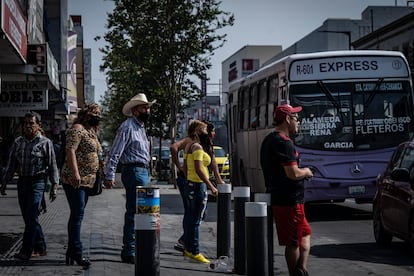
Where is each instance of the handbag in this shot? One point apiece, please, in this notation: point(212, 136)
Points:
point(97, 186)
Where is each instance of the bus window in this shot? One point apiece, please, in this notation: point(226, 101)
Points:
point(262, 114)
point(244, 109)
point(233, 126)
point(273, 81)
point(253, 106)
point(253, 96)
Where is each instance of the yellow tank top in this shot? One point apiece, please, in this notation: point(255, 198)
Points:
point(199, 155)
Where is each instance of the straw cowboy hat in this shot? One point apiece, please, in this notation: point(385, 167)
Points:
point(136, 100)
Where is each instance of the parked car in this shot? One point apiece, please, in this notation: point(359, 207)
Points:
point(181, 157)
point(162, 163)
point(393, 206)
point(222, 160)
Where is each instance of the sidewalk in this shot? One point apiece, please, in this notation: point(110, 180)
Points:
point(101, 236)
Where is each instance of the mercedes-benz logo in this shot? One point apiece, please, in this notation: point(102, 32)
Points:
point(396, 64)
point(356, 168)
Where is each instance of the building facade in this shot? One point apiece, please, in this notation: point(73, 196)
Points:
point(35, 66)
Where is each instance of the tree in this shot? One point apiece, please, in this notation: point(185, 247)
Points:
point(161, 48)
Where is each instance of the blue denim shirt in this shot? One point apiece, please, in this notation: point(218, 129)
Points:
point(130, 145)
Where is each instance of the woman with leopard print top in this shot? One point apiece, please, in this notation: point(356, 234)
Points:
point(79, 174)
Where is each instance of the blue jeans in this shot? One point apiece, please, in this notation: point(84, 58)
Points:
point(181, 183)
point(196, 195)
point(77, 199)
point(131, 178)
point(30, 195)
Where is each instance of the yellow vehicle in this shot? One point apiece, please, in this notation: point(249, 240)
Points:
point(222, 160)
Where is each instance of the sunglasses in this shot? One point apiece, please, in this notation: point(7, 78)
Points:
point(296, 118)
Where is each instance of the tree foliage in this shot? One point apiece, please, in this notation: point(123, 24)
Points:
point(161, 48)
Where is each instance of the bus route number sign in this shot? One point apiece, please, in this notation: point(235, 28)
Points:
point(305, 69)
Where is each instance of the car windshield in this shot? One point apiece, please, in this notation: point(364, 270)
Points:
point(165, 152)
point(219, 152)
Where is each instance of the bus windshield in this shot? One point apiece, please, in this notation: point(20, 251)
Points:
point(351, 116)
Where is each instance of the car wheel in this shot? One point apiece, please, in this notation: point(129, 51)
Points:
point(381, 237)
point(411, 241)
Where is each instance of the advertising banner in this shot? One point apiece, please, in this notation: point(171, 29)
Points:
point(14, 24)
point(71, 78)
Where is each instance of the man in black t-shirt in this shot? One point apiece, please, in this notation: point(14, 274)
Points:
point(284, 181)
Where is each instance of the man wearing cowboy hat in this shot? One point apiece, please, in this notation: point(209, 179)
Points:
point(131, 149)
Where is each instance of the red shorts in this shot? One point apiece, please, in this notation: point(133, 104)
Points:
point(291, 224)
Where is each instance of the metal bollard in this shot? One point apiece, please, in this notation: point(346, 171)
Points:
point(147, 231)
point(263, 197)
point(223, 220)
point(256, 233)
point(241, 196)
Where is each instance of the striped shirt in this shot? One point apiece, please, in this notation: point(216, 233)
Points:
point(130, 145)
point(32, 157)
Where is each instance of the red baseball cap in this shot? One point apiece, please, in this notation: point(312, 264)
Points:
point(285, 109)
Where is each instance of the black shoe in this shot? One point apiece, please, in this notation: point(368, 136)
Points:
point(81, 261)
point(128, 259)
point(301, 272)
point(179, 247)
point(22, 256)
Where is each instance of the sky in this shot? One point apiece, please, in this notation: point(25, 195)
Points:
point(257, 22)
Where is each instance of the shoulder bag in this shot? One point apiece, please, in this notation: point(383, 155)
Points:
point(97, 186)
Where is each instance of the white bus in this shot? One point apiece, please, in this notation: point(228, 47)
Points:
point(357, 107)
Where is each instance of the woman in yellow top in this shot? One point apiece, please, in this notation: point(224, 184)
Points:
point(181, 179)
point(196, 161)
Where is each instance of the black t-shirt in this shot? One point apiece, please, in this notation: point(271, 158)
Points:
point(276, 152)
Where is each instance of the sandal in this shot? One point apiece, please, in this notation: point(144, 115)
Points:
point(39, 253)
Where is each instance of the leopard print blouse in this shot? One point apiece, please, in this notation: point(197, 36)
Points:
point(86, 146)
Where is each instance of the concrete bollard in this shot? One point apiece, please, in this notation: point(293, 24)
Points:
point(265, 197)
point(256, 233)
point(241, 196)
point(147, 231)
point(223, 220)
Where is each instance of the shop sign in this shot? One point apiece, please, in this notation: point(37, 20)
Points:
point(18, 97)
point(14, 24)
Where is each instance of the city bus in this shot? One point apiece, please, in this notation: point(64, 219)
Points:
point(357, 107)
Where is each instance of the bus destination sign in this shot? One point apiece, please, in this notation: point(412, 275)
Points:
point(348, 68)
